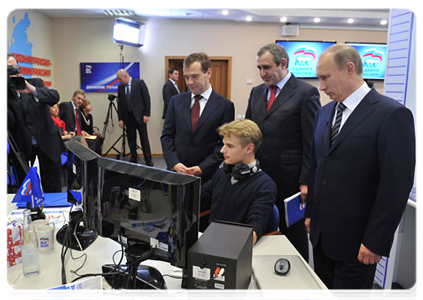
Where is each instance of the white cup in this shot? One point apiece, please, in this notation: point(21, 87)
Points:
point(40, 222)
point(45, 236)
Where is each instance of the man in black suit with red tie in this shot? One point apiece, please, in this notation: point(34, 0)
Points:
point(284, 108)
point(33, 130)
point(170, 88)
point(134, 113)
point(190, 140)
point(70, 114)
point(362, 167)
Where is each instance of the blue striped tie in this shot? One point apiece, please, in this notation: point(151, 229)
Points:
point(335, 128)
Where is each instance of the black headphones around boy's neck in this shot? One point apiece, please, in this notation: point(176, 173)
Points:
point(241, 171)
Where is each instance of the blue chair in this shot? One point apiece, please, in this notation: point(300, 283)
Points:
point(63, 160)
point(273, 225)
point(12, 180)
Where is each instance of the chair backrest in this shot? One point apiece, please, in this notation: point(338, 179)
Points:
point(7, 145)
point(12, 177)
point(273, 225)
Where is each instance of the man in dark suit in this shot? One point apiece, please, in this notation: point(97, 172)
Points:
point(134, 113)
point(70, 114)
point(362, 166)
point(284, 108)
point(190, 141)
point(33, 130)
point(170, 88)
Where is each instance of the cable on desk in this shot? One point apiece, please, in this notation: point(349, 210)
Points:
point(83, 264)
point(113, 272)
point(66, 241)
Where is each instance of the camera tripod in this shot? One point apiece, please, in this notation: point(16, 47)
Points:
point(112, 106)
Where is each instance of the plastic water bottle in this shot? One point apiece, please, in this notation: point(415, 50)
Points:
point(30, 258)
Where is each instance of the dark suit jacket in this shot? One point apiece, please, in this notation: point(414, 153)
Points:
point(32, 118)
point(361, 184)
point(168, 91)
point(287, 132)
point(67, 115)
point(201, 147)
point(140, 101)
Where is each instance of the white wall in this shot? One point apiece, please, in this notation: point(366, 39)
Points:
point(39, 34)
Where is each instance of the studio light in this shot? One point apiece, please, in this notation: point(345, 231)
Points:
point(128, 32)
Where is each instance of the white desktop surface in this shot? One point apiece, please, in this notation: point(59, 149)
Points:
point(102, 250)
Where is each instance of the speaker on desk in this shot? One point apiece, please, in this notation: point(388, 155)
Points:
point(222, 257)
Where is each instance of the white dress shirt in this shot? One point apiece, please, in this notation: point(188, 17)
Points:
point(174, 83)
point(203, 101)
point(280, 85)
point(351, 102)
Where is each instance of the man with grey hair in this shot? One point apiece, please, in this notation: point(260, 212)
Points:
point(134, 112)
point(362, 170)
point(284, 108)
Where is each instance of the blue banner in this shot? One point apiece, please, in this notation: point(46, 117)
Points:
point(374, 59)
point(303, 56)
point(101, 77)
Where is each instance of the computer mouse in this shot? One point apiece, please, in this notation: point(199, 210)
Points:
point(282, 266)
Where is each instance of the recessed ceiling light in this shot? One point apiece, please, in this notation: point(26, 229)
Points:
point(283, 19)
point(316, 20)
point(383, 22)
point(225, 12)
point(118, 12)
point(248, 18)
point(350, 21)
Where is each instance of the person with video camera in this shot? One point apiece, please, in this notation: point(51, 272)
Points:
point(31, 127)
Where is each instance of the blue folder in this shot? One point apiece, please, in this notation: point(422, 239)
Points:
point(51, 200)
point(294, 209)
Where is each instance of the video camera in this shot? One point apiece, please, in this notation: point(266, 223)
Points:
point(16, 83)
point(111, 97)
point(13, 70)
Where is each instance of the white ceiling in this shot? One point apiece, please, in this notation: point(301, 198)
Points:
point(330, 18)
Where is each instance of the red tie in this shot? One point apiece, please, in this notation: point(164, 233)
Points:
point(195, 111)
point(272, 96)
point(78, 127)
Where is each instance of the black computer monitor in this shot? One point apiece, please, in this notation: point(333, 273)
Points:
point(81, 177)
point(152, 212)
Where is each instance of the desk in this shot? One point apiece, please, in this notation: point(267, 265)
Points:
point(102, 251)
point(406, 257)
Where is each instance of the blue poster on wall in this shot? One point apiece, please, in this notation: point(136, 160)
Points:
point(374, 59)
point(101, 77)
point(303, 56)
point(20, 42)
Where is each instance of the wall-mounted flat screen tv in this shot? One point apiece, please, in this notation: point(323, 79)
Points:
point(303, 56)
point(374, 58)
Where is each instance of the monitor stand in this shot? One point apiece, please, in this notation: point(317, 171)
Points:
point(133, 275)
point(75, 236)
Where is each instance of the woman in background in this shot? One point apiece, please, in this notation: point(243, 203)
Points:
point(54, 113)
point(87, 119)
point(94, 138)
